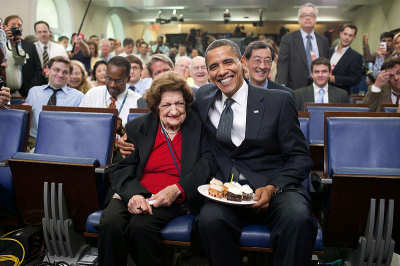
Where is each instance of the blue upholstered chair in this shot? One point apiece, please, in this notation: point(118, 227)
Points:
point(317, 117)
point(136, 112)
point(389, 108)
point(304, 120)
point(14, 128)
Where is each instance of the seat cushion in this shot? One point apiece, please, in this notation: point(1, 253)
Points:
point(7, 193)
point(93, 221)
point(179, 229)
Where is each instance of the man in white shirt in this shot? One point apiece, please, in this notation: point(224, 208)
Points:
point(386, 89)
point(198, 72)
point(346, 63)
point(115, 94)
point(320, 91)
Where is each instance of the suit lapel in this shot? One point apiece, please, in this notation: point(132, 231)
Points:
point(300, 43)
point(320, 46)
point(331, 95)
point(190, 137)
point(255, 113)
point(343, 60)
point(309, 94)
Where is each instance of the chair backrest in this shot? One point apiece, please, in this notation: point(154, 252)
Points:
point(389, 108)
point(304, 120)
point(14, 125)
point(317, 117)
point(136, 112)
point(73, 133)
point(356, 99)
point(362, 140)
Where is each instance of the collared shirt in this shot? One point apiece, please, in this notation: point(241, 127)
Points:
point(142, 85)
point(313, 42)
point(337, 56)
point(40, 95)
point(110, 55)
point(101, 98)
point(394, 96)
point(239, 108)
point(145, 59)
point(53, 50)
point(316, 93)
point(163, 49)
point(264, 86)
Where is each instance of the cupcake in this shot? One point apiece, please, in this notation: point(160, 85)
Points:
point(247, 192)
point(216, 191)
point(227, 186)
point(217, 182)
point(234, 194)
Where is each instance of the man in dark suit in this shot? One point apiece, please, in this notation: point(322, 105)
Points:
point(299, 48)
point(320, 91)
point(347, 68)
point(255, 137)
point(23, 54)
point(257, 59)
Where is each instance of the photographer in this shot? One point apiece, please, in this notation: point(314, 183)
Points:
point(23, 69)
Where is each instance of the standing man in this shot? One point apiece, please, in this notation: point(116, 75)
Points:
point(346, 64)
point(298, 49)
point(386, 88)
point(23, 69)
point(136, 83)
point(320, 91)
point(56, 92)
point(382, 53)
point(257, 59)
point(256, 137)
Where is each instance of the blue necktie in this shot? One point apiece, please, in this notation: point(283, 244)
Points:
point(321, 95)
point(308, 51)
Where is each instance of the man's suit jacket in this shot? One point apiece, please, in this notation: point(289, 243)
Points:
point(197, 161)
point(293, 70)
point(274, 150)
point(277, 86)
point(306, 95)
point(31, 70)
point(375, 100)
point(349, 70)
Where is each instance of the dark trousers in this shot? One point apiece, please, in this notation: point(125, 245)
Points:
point(140, 235)
point(293, 230)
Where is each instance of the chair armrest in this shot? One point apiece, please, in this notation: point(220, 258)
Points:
point(3, 164)
point(366, 171)
point(55, 158)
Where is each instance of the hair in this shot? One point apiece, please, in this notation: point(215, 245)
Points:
point(223, 42)
point(348, 25)
point(85, 84)
point(41, 22)
point(159, 57)
point(128, 41)
point(121, 61)
point(10, 17)
point(258, 45)
point(168, 81)
point(321, 61)
point(397, 35)
point(133, 59)
point(96, 65)
point(390, 63)
point(94, 35)
point(386, 34)
point(143, 42)
point(96, 48)
point(316, 11)
point(61, 59)
point(111, 39)
point(62, 38)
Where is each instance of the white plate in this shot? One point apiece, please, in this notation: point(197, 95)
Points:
point(203, 190)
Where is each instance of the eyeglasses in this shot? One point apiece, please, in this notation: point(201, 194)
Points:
point(117, 81)
point(304, 15)
point(178, 105)
point(200, 68)
point(266, 61)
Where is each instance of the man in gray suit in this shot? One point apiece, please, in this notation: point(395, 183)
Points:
point(298, 49)
point(320, 91)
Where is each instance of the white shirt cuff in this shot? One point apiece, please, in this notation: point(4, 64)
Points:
point(375, 89)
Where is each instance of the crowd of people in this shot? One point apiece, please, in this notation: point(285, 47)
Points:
point(213, 112)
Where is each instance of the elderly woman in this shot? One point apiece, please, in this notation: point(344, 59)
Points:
point(78, 78)
point(99, 73)
point(156, 181)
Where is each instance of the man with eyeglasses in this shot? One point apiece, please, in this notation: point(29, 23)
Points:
point(386, 89)
point(115, 94)
point(198, 73)
point(298, 49)
point(257, 59)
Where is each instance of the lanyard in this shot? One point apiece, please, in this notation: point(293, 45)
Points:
point(171, 149)
point(123, 101)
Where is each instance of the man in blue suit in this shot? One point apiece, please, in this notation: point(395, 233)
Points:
point(256, 137)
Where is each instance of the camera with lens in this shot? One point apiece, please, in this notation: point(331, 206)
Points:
point(16, 31)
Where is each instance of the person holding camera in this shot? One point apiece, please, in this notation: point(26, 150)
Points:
point(23, 69)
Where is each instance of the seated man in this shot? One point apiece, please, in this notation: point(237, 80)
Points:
point(115, 94)
point(5, 96)
point(386, 88)
point(56, 92)
point(198, 73)
point(320, 91)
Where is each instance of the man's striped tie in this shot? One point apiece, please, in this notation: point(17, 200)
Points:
point(45, 56)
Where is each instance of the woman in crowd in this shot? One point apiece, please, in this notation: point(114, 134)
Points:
point(171, 159)
point(99, 73)
point(396, 45)
point(79, 78)
point(95, 54)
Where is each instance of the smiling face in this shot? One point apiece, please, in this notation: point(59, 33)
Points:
point(225, 69)
point(198, 71)
point(347, 36)
point(101, 74)
point(116, 80)
point(172, 109)
point(307, 18)
point(320, 75)
point(76, 77)
point(258, 66)
point(159, 67)
point(58, 75)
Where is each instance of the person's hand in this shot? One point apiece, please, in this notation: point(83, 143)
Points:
point(382, 78)
point(365, 39)
point(5, 96)
point(125, 148)
point(138, 205)
point(332, 78)
point(166, 197)
point(263, 197)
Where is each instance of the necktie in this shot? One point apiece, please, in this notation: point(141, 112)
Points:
point(321, 95)
point(397, 98)
point(133, 88)
point(53, 97)
point(308, 51)
point(45, 56)
point(225, 123)
point(112, 104)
